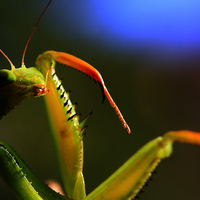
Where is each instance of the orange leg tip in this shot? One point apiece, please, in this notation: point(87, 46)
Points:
point(127, 128)
point(125, 125)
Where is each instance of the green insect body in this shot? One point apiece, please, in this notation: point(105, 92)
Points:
point(68, 141)
point(67, 132)
point(18, 84)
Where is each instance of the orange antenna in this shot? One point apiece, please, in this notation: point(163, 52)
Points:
point(11, 64)
point(33, 31)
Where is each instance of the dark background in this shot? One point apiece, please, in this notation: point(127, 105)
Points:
point(156, 87)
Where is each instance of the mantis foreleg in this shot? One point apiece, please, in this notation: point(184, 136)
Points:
point(67, 133)
point(76, 63)
point(127, 181)
point(22, 181)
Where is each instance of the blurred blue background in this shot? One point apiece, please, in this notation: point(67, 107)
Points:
point(171, 27)
point(148, 54)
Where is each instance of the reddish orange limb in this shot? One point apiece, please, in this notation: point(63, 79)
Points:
point(184, 136)
point(86, 68)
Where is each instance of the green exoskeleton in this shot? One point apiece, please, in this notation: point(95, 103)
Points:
point(18, 84)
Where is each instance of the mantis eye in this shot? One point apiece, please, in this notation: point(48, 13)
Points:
point(6, 77)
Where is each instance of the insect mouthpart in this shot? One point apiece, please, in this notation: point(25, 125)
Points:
point(40, 90)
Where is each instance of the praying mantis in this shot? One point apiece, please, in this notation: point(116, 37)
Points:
point(46, 91)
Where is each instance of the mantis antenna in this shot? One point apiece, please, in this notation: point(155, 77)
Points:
point(33, 32)
point(11, 64)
